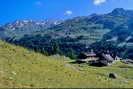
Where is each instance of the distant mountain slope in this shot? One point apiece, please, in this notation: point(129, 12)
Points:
point(20, 68)
point(20, 28)
point(122, 13)
point(75, 35)
point(92, 27)
point(30, 25)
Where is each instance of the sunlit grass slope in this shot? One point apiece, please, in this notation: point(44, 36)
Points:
point(20, 68)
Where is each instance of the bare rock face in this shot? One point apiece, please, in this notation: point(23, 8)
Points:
point(113, 75)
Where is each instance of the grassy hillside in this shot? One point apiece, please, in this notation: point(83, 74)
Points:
point(21, 68)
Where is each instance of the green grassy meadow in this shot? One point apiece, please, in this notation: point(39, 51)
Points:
point(21, 68)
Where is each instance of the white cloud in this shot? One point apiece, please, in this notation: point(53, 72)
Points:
point(98, 2)
point(39, 3)
point(68, 12)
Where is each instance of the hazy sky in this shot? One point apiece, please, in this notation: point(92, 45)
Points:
point(11, 10)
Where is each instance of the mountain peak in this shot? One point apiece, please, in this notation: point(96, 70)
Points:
point(118, 10)
point(122, 12)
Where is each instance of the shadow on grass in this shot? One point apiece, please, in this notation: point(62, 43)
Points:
point(75, 62)
point(89, 64)
point(97, 65)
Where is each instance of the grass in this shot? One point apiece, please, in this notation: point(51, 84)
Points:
point(20, 68)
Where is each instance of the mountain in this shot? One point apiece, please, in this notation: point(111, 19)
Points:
point(2, 29)
point(111, 31)
point(122, 13)
point(29, 25)
point(1, 32)
point(21, 68)
point(20, 28)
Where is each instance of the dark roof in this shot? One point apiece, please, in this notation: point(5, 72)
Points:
point(108, 57)
point(89, 54)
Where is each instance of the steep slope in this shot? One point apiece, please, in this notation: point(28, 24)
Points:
point(20, 68)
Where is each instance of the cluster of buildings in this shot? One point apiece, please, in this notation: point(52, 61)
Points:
point(102, 59)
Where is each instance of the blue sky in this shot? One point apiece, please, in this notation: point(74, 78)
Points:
point(11, 10)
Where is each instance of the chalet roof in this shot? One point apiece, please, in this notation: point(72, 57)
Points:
point(89, 54)
point(108, 57)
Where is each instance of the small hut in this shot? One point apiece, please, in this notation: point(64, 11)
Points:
point(104, 60)
point(86, 57)
point(107, 57)
point(117, 58)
